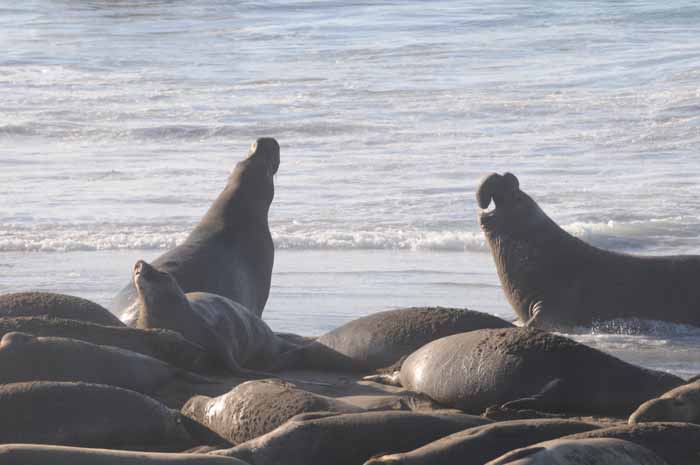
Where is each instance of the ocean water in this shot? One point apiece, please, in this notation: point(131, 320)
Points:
point(120, 121)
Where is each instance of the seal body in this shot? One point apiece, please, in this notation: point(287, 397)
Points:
point(554, 280)
point(345, 439)
point(39, 454)
point(56, 306)
point(679, 404)
point(581, 452)
point(381, 339)
point(224, 327)
point(524, 368)
point(230, 252)
point(480, 444)
point(254, 408)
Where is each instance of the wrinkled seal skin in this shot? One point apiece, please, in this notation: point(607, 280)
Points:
point(225, 328)
point(480, 444)
point(347, 439)
point(24, 357)
point(581, 452)
point(525, 368)
point(679, 404)
point(554, 280)
point(230, 252)
point(162, 344)
point(677, 443)
point(255, 408)
point(39, 454)
point(56, 306)
point(381, 339)
point(91, 415)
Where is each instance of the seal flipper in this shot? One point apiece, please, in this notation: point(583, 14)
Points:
point(550, 398)
point(393, 379)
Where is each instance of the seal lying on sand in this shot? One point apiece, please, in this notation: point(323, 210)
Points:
point(381, 339)
point(38, 454)
point(527, 369)
point(162, 344)
point(555, 280)
point(679, 404)
point(56, 306)
point(254, 408)
point(581, 452)
point(230, 252)
point(347, 439)
point(93, 415)
point(24, 357)
point(480, 444)
point(224, 327)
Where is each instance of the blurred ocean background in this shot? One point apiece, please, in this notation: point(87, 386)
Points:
point(121, 119)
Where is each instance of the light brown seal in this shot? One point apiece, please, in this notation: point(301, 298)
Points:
point(56, 306)
point(679, 404)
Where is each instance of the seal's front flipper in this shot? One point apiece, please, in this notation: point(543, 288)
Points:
point(392, 379)
point(551, 398)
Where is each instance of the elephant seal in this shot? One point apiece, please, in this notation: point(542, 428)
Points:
point(24, 357)
point(525, 368)
point(162, 344)
point(554, 280)
point(230, 252)
point(480, 444)
point(381, 339)
point(255, 408)
point(56, 306)
point(679, 404)
point(581, 452)
point(347, 439)
point(94, 415)
point(39, 454)
point(225, 328)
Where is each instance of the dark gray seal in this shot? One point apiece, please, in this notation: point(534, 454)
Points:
point(255, 408)
point(56, 306)
point(168, 346)
point(222, 326)
point(39, 454)
point(555, 280)
point(93, 415)
point(348, 439)
point(679, 404)
point(581, 452)
point(524, 368)
point(480, 444)
point(381, 339)
point(24, 357)
point(230, 252)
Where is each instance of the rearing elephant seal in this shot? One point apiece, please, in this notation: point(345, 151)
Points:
point(230, 252)
point(555, 280)
point(220, 325)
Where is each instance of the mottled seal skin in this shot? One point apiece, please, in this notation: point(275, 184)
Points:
point(230, 252)
point(347, 439)
point(679, 404)
point(39, 454)
point(222, 326)
point(525, 368)
point(381, 339)
point(581, 452)
point(24, 357)
point(56, 306)
point(92, 415)
point(554, 280)
point(168, 346)
point(255, 408)
point(480, 444)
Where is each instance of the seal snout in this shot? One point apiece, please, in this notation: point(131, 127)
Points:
point(268, 149)
point(143, 270)
point(496, 187)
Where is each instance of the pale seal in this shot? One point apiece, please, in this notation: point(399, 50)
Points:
point(524, 368)
point(679, 404)
point(555, 280)
point(381, 339)
point(55, 306)
point(230, 252)
point(348, 439)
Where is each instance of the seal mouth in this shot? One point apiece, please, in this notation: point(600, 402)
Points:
point(142, 270)
point(268, 149)
point(497, 188)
